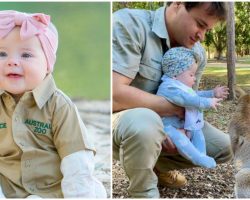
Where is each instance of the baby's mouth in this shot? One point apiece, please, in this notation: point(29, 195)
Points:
point(14, 75)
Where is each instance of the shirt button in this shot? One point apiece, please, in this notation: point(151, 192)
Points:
point(27, 163)
point(21, 144)
point(16, 118)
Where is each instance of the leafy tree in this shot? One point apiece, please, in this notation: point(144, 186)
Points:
point(242, 28)
point(137, 5)
point(218, 38)
point(208, 42)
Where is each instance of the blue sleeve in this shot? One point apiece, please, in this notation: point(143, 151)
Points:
point(181, 98)
point(205, 93)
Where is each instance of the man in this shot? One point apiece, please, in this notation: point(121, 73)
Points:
point(140, 38)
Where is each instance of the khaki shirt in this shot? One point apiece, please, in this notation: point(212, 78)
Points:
point(137, 47)
point(35, 135)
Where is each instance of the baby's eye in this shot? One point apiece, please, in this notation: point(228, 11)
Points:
point(3, 54)
point(26, 55)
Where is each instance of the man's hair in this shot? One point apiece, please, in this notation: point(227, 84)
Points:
point(218, 9)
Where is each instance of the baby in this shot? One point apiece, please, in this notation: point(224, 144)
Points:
point(179, 68)
point(44, 147)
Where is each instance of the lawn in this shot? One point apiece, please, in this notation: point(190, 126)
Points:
point(83, 58)
point(219, 70)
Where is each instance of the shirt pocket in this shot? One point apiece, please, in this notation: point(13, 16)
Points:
point(151, 72)
point(149, 76)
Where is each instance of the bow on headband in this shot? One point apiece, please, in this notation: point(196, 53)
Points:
point(37, 24)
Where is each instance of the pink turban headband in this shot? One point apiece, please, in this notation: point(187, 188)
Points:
point(37, 24)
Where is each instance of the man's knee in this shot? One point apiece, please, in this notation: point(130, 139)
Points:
point(225, 155)
point(218, 144)
point(141, 123)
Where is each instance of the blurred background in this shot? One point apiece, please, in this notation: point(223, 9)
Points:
point(82, 69)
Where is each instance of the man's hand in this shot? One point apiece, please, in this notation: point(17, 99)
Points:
point(178, 111)
point(169, 147)
point(221, 91)
point(169, 109)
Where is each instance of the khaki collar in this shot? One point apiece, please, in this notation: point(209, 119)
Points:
point(42, 92)
point(159, 26)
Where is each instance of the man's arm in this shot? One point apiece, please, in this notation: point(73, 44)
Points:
point(126, 96)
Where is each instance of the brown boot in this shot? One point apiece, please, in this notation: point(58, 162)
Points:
point(172, 179)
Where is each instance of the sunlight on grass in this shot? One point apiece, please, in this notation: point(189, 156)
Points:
point(219, 73)
point(218, 70)
point(214, 70)
point(244, 85)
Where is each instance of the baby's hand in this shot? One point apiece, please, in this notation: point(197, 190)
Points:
point(215, 102)
point(221, 91)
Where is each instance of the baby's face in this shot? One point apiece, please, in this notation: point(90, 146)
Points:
point(188, 77)
point(23, 64)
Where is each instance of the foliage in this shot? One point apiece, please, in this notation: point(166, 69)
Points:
point(217, 37)
point(83, 59)
point(137, 5)
point(242, 28)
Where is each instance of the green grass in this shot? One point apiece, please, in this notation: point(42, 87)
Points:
point(244, 60)
point(220, 72)
point(83, 58)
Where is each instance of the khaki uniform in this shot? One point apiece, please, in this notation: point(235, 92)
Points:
point(35, 135)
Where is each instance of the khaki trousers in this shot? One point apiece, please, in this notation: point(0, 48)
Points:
point(137, 137)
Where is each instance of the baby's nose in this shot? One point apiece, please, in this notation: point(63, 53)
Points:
point(12, 62)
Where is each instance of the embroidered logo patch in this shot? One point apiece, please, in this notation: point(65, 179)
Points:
point(3, 125)
point(39, 127)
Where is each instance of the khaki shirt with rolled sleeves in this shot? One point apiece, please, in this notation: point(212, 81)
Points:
point(35, 135)
point(137, 47)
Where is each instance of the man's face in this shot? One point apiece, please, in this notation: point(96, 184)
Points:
point(191, 26)
point(23, 64)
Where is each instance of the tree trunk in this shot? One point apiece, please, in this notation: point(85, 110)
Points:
point(208, 50)
point(219, 55)
point(231, 51)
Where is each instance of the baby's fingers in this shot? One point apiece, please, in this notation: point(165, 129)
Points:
point(219, 100)
point(218, 104)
